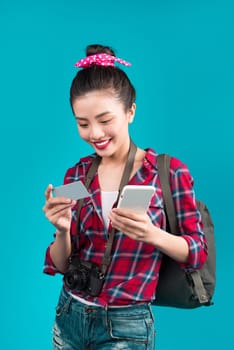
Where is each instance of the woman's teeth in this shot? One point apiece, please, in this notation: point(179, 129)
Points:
point(103, 143)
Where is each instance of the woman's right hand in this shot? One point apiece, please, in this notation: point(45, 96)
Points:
point(58, 210)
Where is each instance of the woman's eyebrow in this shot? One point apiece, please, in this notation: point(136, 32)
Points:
point(96, 116)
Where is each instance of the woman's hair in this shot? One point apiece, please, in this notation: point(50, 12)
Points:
point(98, 77)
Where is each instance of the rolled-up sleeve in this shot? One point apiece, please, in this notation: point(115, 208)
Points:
point(49, 266)
point(188, 215)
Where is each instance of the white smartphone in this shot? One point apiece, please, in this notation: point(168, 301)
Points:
point(74, 190)
point(136, 197)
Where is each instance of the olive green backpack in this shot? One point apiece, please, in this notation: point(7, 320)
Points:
point(176, 287)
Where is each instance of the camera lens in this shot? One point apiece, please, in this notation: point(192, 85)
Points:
point(76, 279)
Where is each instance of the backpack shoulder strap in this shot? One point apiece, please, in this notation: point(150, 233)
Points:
point(163, 161)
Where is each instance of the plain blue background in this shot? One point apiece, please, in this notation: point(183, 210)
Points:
point(182, 55)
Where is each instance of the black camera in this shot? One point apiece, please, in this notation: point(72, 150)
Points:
point(84, 276)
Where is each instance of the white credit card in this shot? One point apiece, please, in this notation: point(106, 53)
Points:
point(74, 190)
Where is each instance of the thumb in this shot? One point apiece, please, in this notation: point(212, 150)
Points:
point(48, 192)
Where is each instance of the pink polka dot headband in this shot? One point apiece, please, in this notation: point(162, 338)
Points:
point(101, 59)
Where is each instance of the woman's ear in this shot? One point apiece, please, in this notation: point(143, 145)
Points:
point(131, 113)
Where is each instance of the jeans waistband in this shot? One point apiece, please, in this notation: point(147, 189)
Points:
point(96, 308)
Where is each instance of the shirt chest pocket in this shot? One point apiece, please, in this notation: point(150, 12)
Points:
point(90, 220)
point(87, 214)
point(156, 211)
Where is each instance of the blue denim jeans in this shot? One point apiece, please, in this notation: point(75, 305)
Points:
point(82, 327)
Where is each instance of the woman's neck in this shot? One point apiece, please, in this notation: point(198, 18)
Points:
point(117, 159)
point(110, 173)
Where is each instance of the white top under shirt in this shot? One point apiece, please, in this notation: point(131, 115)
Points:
point(108, 199)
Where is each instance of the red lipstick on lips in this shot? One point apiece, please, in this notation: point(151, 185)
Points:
point(102, 144)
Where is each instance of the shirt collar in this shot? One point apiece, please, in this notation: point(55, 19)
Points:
point(150, 158)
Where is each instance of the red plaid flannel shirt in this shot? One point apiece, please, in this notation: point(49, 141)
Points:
point(133, 272)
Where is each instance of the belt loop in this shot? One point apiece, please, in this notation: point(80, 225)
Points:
point(67, 304)
point(106, 310)
point(150, 310)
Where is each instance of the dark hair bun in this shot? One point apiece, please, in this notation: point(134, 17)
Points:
point(95, 49)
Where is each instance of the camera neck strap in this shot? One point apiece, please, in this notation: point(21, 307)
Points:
point(124, 180)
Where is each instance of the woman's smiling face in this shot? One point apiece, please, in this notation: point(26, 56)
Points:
point(102, 122)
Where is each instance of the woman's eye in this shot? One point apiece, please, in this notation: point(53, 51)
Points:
point(105, 121)
point(83, 125)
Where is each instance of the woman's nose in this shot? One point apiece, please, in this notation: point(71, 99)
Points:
point(96, 132)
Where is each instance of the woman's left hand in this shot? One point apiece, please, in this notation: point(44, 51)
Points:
point(136, 225)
